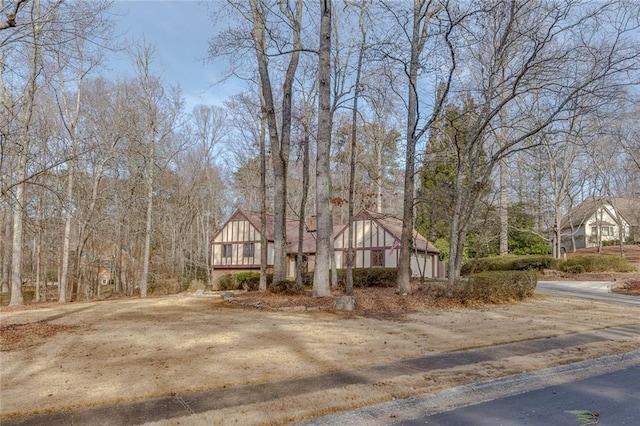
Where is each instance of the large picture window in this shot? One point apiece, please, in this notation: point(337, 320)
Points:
point(377, 258)
point(226, 250)
point(249, 249)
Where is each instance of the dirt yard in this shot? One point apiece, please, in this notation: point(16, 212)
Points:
point(88, 354)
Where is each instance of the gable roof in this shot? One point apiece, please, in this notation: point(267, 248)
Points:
point(393, 226)
point(628, 208)
point(309, 238)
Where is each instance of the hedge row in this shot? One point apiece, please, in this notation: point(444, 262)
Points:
point(574, 264)
point(593, 263)
point(241, 280)
point(369, 277)
point(500, 286)
point(362, 277)
point(507, 263)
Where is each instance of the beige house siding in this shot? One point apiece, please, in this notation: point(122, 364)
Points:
point(228, 246)
point(369, 236)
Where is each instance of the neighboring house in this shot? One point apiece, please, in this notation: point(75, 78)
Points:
point(236, 246)
point(597, 220)
point(377, 243)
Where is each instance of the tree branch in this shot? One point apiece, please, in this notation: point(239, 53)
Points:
point(11, 17)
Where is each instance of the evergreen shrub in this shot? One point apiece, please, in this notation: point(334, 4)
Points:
point(370, 277)
point(593, 263)
point(506, 263)
point(500, 286)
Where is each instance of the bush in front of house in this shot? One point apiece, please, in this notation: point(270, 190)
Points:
point(227, 282)
point(370, 277)
point(249, 280)
point(506, 263)
point(593, 263)
point(500, 286)
point(242, 280)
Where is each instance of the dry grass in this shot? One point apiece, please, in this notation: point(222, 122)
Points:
point(97, 353)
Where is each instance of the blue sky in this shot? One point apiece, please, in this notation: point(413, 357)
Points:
point(179, 30)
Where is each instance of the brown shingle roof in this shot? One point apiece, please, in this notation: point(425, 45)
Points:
point(392, 224)
point(309, 239)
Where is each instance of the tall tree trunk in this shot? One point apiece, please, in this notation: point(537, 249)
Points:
point(404, 264)
point(352, 160)
point(63, 285)
point(6, 206)
point(25, 119)
point(503, 249)
point(6, 248)
point(280, 145)
point(502, 208)
point(303, 206)
point(16, 254)
point(147, 233)
point(264, 244)
point(379, 169)
point(321, 278)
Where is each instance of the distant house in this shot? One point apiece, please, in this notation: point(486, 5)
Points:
point(597, 220)
point(236, 246)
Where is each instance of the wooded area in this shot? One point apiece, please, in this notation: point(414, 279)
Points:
point(480, 123)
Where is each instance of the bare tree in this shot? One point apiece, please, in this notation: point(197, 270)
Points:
point(10, 14)
point(535, 70)
point(352, 160)
point(420, 37)
point(25, 118)
point(321, 278)
point(279, 136)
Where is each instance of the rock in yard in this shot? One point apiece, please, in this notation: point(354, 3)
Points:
point(344, 303)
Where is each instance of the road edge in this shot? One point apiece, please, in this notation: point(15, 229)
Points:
point(476, 393)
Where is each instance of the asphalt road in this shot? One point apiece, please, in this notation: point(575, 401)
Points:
point(597, 290)
point(614, 396)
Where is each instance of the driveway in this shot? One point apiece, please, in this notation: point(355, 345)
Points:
point(595, 290)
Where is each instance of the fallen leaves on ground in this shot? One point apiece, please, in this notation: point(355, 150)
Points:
point(15, 337)
point(630, 288)
point(371, 302)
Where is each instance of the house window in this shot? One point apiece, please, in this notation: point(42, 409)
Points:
point(594, 230)
point(249, 249)
point(377, 258)
point(346, 259)
point(606, 231)
point(226, 250)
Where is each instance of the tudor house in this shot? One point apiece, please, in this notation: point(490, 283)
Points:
point(376, 240)
point(597, 220)
point(236, 246)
